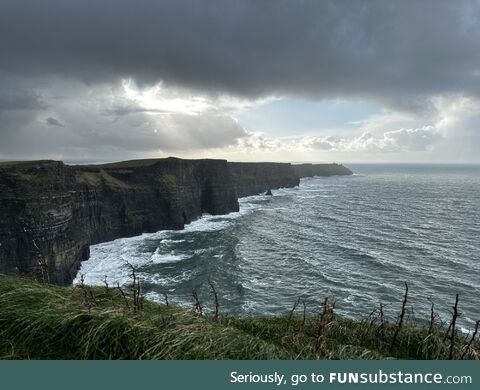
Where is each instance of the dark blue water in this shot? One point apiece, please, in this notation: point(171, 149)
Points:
point(356, 238)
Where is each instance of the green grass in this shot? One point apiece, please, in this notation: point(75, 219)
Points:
point(134, 163)
point(99, 178)
point(10, 164)
point(39, 321)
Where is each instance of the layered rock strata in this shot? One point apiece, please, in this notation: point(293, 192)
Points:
point(50, 212)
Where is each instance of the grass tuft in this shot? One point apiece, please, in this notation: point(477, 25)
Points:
point(41, 321)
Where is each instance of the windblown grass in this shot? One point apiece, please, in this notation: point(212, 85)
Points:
point(40, 321)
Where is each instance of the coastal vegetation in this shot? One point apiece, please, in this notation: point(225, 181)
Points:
point(43, 321)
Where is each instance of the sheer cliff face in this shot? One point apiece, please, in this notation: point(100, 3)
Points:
point(38, 203)
point(255, 178)
point(50, 213)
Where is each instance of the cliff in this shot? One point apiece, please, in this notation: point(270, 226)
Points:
point(310, 170)
point(255, 178)
point(50, 213)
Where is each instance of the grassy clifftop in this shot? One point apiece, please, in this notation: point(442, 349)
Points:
point(39, 321)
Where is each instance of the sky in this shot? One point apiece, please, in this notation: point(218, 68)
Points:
point(245, 80)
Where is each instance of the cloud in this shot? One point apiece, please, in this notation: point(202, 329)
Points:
point(19, 101)
point(449, 131)
point(118, 79)
point(401, 140)
point(53, 122)
point(411, 139)
point(16, 95)
point(397, 51)
point(102, 121)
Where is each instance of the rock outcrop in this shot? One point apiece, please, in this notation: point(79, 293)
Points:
point(50, 213)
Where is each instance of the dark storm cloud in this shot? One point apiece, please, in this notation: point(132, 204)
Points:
point(19, 101)
point(53, 122)
point(15, 96)
point(62, 62)
point(379, 49)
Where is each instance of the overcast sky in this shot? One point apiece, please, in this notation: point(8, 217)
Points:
point(104, 80)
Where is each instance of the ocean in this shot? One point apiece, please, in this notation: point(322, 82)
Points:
point(357, 239)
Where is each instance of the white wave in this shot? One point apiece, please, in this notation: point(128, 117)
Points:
point(163, 258)
point(253, 198)
point(110, 258)
point(161, 280)
point(167, 241)
point(155, 297)
point(203, 250)
point(98, 266)
point(207, 223)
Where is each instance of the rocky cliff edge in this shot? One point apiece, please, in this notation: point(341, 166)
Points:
point(50, 212)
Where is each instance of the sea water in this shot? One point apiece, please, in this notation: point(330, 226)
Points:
point(356, 238)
